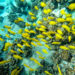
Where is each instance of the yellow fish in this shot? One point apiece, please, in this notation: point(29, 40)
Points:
point(32, 17)
point(19, 45)
point(44, 40)
point(36, 7)
point(30, 13)
point(25, 35)
point(29, 67)
point(52, 23)
point(1, 39)
point(39, 53)
point(50, 37)
point(20, 19)
point(24, 41)
point(71, 47)
point(7, 45)
point(45, 33)
point(11, 32)
point(39, 22)
point(56, 43)
point(69, 38)
point(14, 71)
point(36, 61)
point(27, 24)
point(42, 29)
point(63, 12)
point(26, 66)
point(47, 46)
point(21, 51)
point(42, 26)
point(7, 35)
point(48, 73)
point(32, 31)
point(45, 19)
point(60, 73)
point(12, 51)
point(22, 0)
point(34, 39)
point(73, 28)
point(66, 28)
point(8, 27)
point(4, 61)
point(46, 11)
point(41, 57)
point(51, 32)
point(40, 36)
point(32, 43)
point(45, 51)
point(2, 29)
point(17, 57)
point(18, 71)
point(26, 30)
point(34, 24)
point(59, 31)
point(64, 48)
point(27, 44)
point(50, 17)
point(20, 31)
point(58, 36)
point(38, 43)
point(16, 21)
point(42, 4)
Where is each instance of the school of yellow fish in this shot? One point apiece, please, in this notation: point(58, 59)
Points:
point(43, 34)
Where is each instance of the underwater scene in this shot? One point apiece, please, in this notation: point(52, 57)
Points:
point(37, 37)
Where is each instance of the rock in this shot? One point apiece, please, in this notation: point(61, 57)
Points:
point(12, 17)
point(21, 24)
point(32, 0)
point(1, 9)
point(20, 3)
point(1, 46)
point(1, 19)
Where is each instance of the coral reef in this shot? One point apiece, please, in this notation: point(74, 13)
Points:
point(37, 37)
